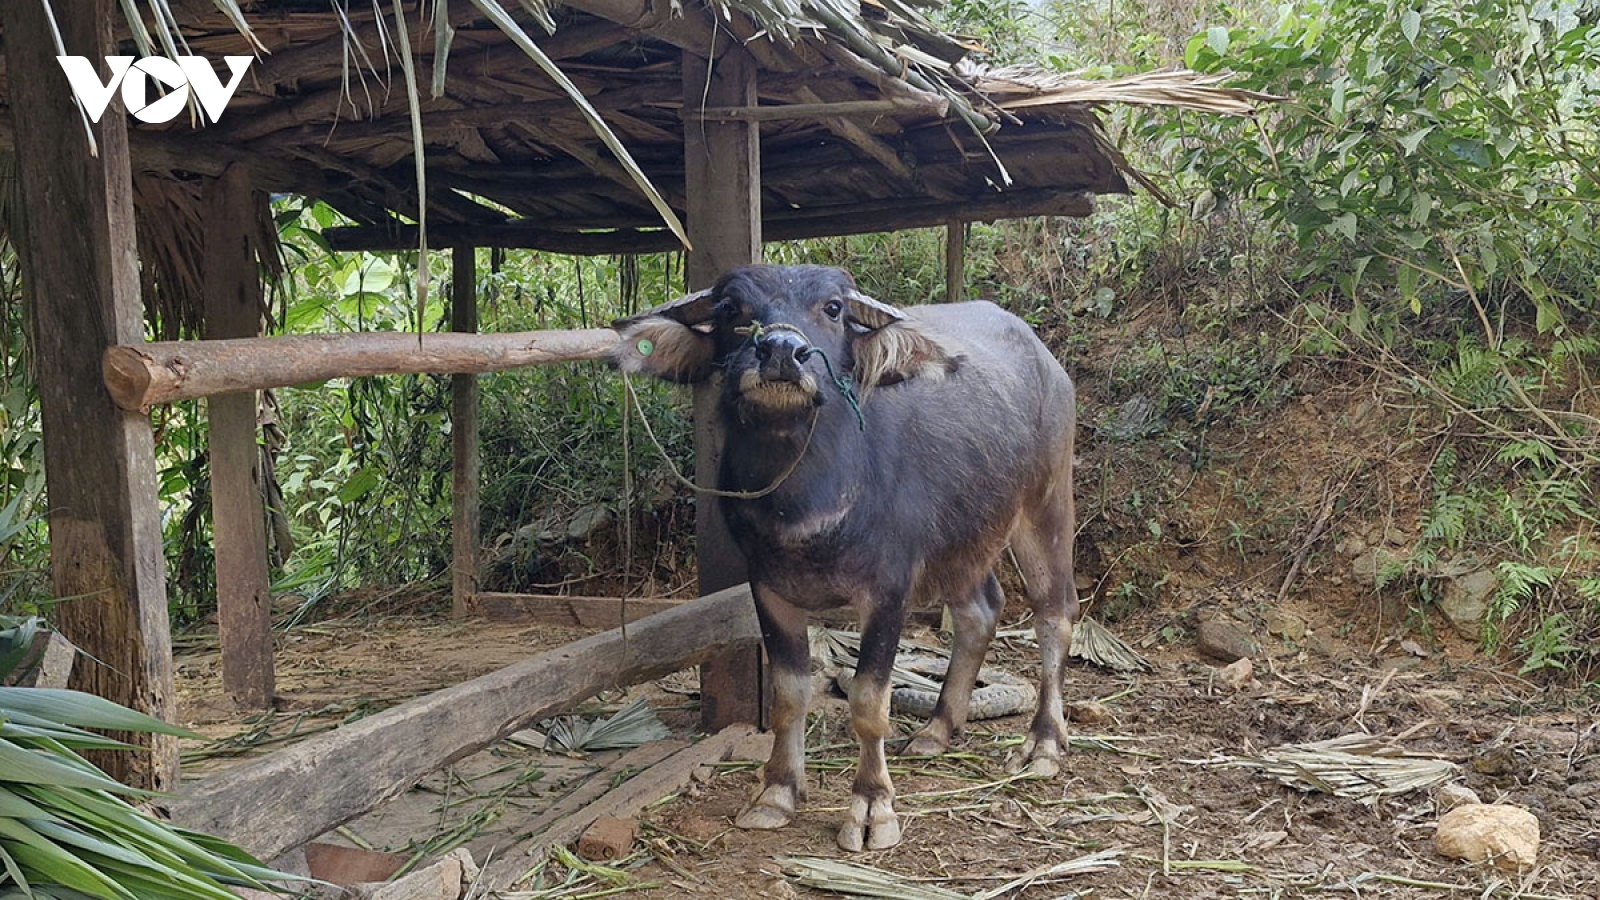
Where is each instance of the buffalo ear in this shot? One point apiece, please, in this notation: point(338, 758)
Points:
point(898, 351)
point(664, 348)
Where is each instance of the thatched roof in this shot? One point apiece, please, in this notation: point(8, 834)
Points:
point(895, 127)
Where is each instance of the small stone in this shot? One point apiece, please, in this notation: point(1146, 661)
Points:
point(1088, 712)
point(1450, 796)
point(1364, 568)
point(1351, 547)
point(1226, 640)
point(779, 889)
point(1505, 836)
point(1465, 600)
point(702, 775)
point(1286, 625)
point(1235, 675)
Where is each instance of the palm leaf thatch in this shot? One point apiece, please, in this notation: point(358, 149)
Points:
point(1360, 767)
point(568, 121)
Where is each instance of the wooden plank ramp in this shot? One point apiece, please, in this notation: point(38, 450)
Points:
point(280, 801)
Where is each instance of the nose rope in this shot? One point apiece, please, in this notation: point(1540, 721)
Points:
point(644, 420)
point(844, 384)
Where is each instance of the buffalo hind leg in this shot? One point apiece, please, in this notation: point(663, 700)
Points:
point(1043, 548)
point(870, 821)
point(783, 778)
point(975, 619)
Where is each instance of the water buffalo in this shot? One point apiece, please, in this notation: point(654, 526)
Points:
point(946, 435)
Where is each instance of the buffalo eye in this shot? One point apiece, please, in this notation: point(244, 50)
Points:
point(834, 309)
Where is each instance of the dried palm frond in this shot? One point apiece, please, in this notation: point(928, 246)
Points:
point(1028, 87)
point(628, 727)
point(1361, 767)
point(1091, 642)
point(859, 880)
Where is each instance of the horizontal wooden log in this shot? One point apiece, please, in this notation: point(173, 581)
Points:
point(282, 800)
point(142, 375)
point(580, 612)
point(791, 225)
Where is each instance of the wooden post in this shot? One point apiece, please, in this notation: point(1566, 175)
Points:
point(722, 174)
point(464, 440)
point(83, 288)
point(955, 261)
point(233, 309)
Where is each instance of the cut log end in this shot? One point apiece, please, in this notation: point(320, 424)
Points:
point(128, 376)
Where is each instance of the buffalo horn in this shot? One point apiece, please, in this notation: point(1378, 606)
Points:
point(872, 313)
point(691, 310)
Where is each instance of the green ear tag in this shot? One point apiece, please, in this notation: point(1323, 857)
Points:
point(646, 347)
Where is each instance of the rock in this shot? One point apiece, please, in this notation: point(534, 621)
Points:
point(1465, 600)
point(1364, 568)
point(1352, 546)
point(587, 521)
point(1286, 625)
point(1505, 836)
point(1225, 640)
point(1088, 712)
point(1450, 796)
point(1235, 675)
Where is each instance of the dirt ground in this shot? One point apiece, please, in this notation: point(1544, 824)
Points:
point(1146, 783)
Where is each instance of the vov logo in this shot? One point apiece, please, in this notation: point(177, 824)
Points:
point(179, 76)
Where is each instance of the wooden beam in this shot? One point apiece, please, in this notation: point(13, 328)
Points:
point(865, 141)
point(465, 452)
point(270, 804)
point(722, 184)
point(578, 612)
point(955, 262)
point(785, 225)
point(82, 277)
point(233, 309)
point(141, 375)
point(567, 820)
point(815, 110)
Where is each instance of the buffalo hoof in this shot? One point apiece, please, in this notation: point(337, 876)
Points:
point(1039, 758)
point(773, 809)
point(869, 824)
point(925, 745)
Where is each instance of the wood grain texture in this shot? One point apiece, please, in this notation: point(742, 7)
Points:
point(722, 164)
point(141, 375)
point(282, 800)
point(466, 455)
point(233, 309)
point(82, 277)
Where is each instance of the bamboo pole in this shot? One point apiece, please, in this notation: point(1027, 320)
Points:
point(140, 376)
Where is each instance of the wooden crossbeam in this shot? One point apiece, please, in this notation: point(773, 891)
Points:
point(140, 376)
point(279, 801)
point(789, 226)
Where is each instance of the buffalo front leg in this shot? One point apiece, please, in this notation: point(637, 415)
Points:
point(870, 821)
point(975, 617)
point(783, 785)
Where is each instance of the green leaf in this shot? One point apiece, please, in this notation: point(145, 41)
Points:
point(24, 766)
point(83, 710)
point(1410, 24)
point(1410, 142)
point(1217, 39)
point(359, 485)
point(50, 862)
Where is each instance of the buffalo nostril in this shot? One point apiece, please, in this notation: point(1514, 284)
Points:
point(804, 354)
point(763, 352)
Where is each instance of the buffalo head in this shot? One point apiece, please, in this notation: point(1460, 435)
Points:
point(775, 332)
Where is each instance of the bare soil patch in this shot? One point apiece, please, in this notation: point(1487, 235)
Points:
point(1135, 784)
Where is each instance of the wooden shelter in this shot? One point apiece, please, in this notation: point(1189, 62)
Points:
point(756, 120)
